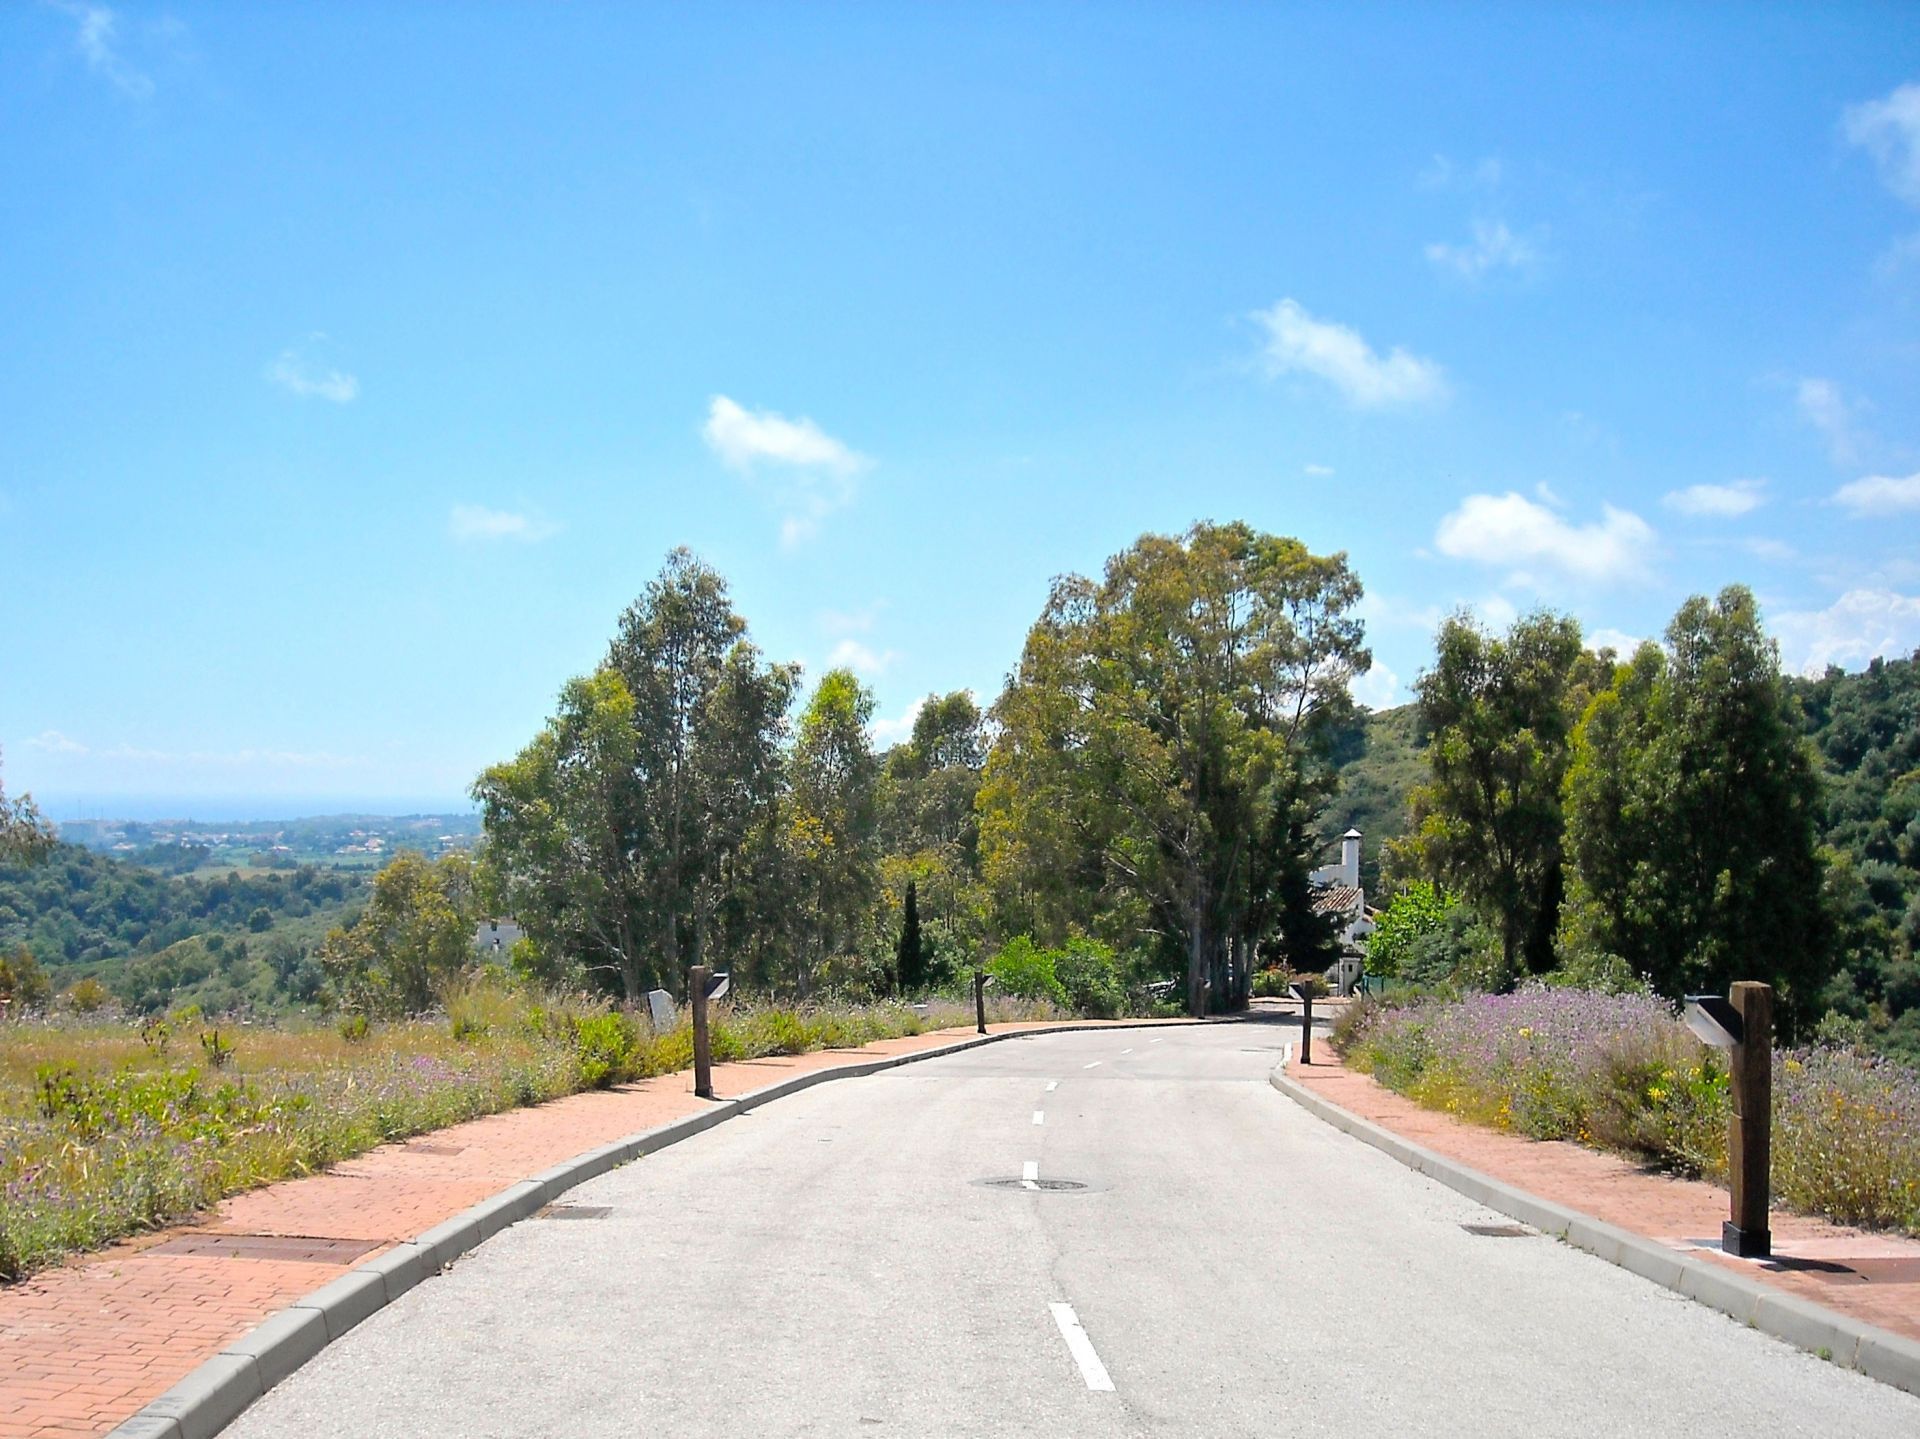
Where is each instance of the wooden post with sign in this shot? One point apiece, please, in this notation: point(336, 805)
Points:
point(697, 978)
point(1750, 1125)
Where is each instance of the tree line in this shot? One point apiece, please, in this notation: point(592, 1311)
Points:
point(1148, 783)
point(1659, 818)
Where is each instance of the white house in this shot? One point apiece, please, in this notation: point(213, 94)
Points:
point(1337, 893)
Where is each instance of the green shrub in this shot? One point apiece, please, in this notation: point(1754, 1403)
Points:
point(1023, 970)
point(1087, 974)
point(605, 1049)
point(354, 1026)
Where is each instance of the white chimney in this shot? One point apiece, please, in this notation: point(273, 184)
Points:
point(1350, 858)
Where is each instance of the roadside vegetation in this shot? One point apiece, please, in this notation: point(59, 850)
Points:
point(1620, 1072)
point(111, 1128)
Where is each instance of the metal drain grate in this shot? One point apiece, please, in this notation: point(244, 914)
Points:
point(1499, 1231)
point(575, 1211)
point(296, 1248)
point(1050, 1186)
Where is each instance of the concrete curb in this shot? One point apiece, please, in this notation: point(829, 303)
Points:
point(1873, 1351)
point(221, 1388)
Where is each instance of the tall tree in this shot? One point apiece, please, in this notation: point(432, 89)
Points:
point(1488, 822)
point(926, 824)
point(830, 828)
point(1694, 814)
point(909, 955)
point(1161, 731)
point(623, 825)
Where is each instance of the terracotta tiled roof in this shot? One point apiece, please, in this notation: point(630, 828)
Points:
point(1335, 899)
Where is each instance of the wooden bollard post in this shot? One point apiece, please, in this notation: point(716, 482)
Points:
point(697, 978)
point(980, 999)
point(1750, 1126)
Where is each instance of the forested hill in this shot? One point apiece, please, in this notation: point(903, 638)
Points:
point(1866, 726)
point(1381, 759)
point(79, 911)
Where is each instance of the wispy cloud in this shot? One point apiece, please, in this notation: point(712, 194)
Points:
point(1828, 410)
point(1493, 247)
point(1606, 637)
point(1880, 495)
point(1441, 173)
point(861, 659)
point(1297, 343)
point(1515, 532)
point(97, 37)
point(889, 732)
point(1737, 497)
point(1889, 130)
point(476, 523)
point(54, 742)
point(815, 473)
point(1859, 626)
point(1377, 689)
point(300, 372)
point(1318, 472)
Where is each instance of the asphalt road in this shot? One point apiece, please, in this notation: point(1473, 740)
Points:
point(832, 1265)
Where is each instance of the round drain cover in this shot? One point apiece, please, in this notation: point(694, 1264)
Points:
point(1051, 1186)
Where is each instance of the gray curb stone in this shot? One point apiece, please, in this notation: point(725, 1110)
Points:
point(1876, 1352)
point(215, 1394)
point(211, 1397)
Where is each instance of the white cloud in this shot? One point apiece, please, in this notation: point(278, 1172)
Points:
point(470, 523)
point(1495, 611)
point(1880, 495)
point(861, 659)
point(1442, 174)
point(1512, 530)
point(1377, 689)
point(1889, 130)
point(299, 374)
point(1299, 344)
point(98, 40)
point(1762, 548)
point(744, 438)
point(1608, 638)
point(1319, 472)
point(1823, 406)
point(816, 472)
point(1734, 498)
point(1493, 247)
point(1855, 628)
point(53, 742)
point(887, 732)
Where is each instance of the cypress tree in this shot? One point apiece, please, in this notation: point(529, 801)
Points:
point(909, 957)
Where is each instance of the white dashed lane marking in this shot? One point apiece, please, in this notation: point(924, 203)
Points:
point(1081, 1348)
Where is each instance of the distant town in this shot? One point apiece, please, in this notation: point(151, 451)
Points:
point(344, 840)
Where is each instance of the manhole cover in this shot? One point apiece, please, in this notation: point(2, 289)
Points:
point(297, 1248)
point(1498, 1231)
point(575, 1211)
point(1050, 1186)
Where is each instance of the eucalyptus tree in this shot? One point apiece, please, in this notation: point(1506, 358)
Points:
point(1161, 740)
point(620, 830)
point(24, 832)
point(830, 825)
point(1488, 823)
point(1694, 811)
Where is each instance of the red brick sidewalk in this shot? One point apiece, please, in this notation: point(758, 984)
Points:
point(1871, 1277)
point(84, 1347)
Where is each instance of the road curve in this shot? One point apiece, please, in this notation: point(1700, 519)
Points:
point(832, 1264)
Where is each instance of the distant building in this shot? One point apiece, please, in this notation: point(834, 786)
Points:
point(493, 939)
point(1339, 896)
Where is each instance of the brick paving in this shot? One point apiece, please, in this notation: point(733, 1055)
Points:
point(84, 1346)
point(1873, 1277)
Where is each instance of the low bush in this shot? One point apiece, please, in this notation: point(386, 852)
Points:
point(1619, 1071)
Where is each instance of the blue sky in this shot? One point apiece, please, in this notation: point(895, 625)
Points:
point(359, 363)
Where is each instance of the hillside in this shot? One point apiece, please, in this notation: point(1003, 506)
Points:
point(230, 939)
point(1380, 761)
